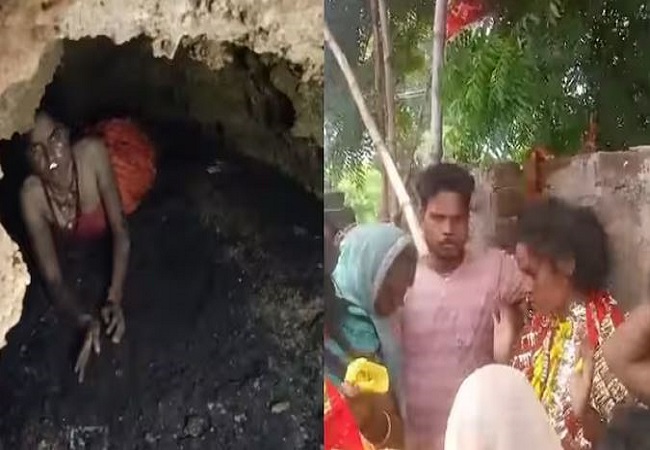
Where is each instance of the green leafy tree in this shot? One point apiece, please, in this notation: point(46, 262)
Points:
point(530, 74)
point(363, 199)
point(534, 72)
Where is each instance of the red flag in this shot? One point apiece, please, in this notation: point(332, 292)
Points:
point(463, 13)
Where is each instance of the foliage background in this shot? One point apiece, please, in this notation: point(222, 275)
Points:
point(530, 74)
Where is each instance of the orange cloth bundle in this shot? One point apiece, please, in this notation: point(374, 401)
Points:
point(133, 158)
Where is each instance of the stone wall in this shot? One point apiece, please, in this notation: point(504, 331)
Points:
point(615, 184)
point(14, 279)
point(496, 204)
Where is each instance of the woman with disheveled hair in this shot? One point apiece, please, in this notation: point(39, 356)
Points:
point(564, 251)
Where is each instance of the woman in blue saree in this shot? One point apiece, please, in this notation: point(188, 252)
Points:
point(375, 267)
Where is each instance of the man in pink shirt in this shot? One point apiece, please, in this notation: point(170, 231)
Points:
point(461, 312)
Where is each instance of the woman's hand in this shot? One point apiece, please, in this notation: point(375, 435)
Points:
point(376, 416)
point(582, 380)
point(508, 321)
point(361, 404)
point(113, 318)
point(91, 342)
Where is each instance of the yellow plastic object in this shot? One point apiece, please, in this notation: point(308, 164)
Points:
point(368, 376)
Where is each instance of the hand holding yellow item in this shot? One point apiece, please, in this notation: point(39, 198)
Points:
point(367, 376)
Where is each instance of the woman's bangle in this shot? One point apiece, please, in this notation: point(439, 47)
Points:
point(389, 430)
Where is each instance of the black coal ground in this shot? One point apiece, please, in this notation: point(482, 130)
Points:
point(223, 311)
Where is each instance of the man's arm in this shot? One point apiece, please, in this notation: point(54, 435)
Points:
point(513, 286)
point(40, 236)
point(627, 352)
point(113, 205)
point(508, 316)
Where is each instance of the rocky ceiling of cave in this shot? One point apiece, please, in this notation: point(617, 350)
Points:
point(287, 33)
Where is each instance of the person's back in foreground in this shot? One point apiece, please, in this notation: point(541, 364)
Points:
point(497, 409)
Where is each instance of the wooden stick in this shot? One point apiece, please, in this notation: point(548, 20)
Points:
point(380, 113)
point(438, 57)
point(389, 90)
point(389, 165)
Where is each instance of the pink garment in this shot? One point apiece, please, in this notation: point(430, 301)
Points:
point(447, 333)
point(92, 224)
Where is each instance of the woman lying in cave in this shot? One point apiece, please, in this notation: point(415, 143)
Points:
point(77, 191)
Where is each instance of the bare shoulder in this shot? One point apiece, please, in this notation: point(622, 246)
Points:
point(32, 197)
point(32, 189)
point(89, 150)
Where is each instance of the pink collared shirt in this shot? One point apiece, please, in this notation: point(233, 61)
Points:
point(447, 333)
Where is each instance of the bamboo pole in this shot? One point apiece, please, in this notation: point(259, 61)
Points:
point(438, 56)
point(389, 92)
point(380, 112)
point(389, 85)
point(389, 165)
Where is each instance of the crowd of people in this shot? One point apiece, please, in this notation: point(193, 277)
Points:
point(485, 350)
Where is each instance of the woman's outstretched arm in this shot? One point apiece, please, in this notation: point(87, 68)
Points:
point(112, 312)
point(627, 352)
point(40, 236)
point(115, 213)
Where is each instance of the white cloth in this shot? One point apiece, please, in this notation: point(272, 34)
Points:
point(496, 409)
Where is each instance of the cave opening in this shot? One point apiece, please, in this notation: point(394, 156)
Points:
point(222, 297)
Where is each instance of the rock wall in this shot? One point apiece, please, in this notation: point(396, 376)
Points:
point(239, 102)
point(14, 279)
point(615, 184)
point(286, 32)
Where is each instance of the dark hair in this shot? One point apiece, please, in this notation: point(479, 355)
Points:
point(557, 230)
point(444, 177)
point(629, 430)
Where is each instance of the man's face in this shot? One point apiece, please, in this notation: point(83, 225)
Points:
point(445, 222)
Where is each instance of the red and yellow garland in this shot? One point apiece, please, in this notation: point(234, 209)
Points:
point(549, 352)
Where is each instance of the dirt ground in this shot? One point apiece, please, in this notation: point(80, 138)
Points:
point(223, 312)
